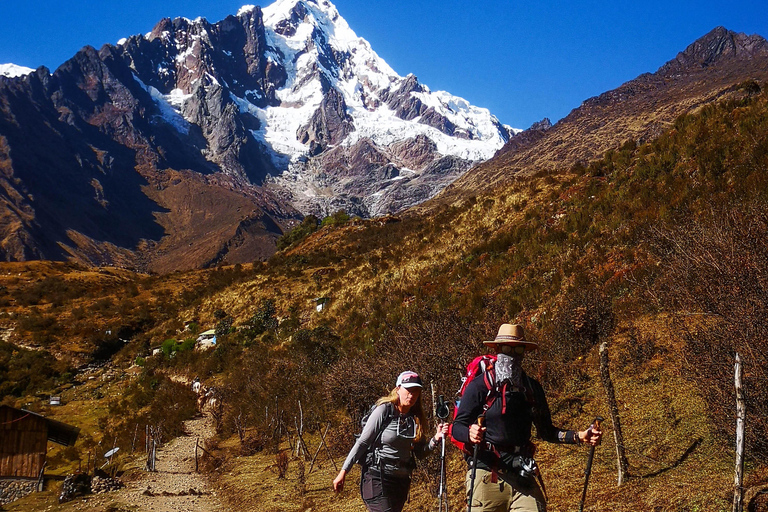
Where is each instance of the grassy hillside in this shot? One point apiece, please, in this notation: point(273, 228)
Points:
point(658, 249)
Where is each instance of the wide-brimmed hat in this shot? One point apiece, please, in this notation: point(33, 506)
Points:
point(512, 334)
point(408, 380)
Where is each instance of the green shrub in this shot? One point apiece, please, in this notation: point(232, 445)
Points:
point(168, 347)
point(25, 371)
point(309, 225)
point(337, 219)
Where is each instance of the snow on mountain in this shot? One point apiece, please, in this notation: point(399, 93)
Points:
point(340, 128)
point(13, 70)
point(308, 35)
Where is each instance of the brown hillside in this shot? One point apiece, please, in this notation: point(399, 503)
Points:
point(639, 111)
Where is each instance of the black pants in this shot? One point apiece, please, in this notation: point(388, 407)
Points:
point(382, 493)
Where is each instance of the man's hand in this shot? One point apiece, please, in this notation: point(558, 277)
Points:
point(476, 433)
point(592, 435)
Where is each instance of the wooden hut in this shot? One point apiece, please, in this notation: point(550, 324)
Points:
point(24, 437)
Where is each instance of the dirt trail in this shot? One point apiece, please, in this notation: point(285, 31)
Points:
point(174, 486)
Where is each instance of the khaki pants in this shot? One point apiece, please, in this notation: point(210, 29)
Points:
point(507, 494)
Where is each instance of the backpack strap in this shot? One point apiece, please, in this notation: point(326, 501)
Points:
point(530, 397)
point(494, 391)
point(489, 378)
point(389, 413)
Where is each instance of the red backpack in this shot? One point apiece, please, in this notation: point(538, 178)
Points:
point(481, 364)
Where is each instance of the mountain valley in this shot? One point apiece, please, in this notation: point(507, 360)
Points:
point(147, 185)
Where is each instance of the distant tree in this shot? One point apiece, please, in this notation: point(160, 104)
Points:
point(264, 319)
point(337, 219)
point(223, 327)
point(309, 225)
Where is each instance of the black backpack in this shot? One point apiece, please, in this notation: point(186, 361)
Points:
point(388, 415)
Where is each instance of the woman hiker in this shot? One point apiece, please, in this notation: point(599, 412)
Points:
point(391, 437)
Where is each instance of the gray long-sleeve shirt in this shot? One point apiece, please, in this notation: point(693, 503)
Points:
point(396, 443)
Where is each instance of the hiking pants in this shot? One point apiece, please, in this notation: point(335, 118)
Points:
point(383, 494)
point(508, 493)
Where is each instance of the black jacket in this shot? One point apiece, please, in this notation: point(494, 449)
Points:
point(510, 431)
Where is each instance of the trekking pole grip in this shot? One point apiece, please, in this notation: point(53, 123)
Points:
point(480, 421)
point(595, 424)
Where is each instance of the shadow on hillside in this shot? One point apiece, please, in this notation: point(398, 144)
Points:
point(679, 461)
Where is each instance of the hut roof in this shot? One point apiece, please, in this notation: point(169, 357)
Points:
point(58, 432)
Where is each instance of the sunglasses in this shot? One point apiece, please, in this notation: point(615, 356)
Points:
point(406, 427)
point(512, 349)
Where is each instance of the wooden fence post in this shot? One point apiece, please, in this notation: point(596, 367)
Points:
point(741, 413)
point(301, 445)
point(41, 478)
point(319, 447)
point(327, 450)
point(153, 435)
point(605, 374)
point(154, 454)
point(135, 433)
point(299, 429)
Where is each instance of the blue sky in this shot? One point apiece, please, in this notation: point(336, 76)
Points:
point(523, 60)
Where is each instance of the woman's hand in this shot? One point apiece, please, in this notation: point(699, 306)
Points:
point(338, 482)
point(441, 432)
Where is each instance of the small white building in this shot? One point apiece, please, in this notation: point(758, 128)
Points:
point(321, 303)
point(206, 340)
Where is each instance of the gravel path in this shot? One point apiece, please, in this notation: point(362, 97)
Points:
point(175, 487)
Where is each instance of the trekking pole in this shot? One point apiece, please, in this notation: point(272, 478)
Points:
point(442, 496)
point(480, 420)
point(590, 457)
point(442, 412)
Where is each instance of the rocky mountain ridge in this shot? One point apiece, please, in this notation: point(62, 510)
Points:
point(201, 142)
point(303, 84)
point(720, 64)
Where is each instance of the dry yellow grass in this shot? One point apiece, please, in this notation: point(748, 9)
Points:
point(676, 464)
point(675, 461)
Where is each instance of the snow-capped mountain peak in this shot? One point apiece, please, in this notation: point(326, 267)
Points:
point(327, 111)
point(320, 51)
point(12, 70)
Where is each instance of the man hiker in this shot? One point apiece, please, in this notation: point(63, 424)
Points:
point(510, 402)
